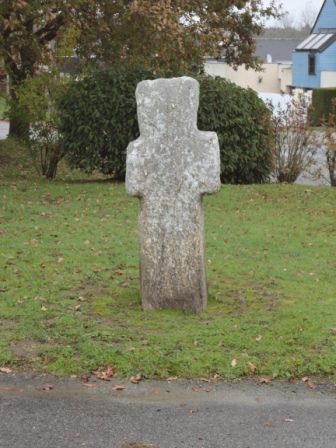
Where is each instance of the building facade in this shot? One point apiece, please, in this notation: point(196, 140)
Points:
point(314, 59)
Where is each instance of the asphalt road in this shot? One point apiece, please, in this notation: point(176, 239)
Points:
point(243, 414)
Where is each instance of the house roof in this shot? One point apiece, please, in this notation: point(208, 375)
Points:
point(318, 16)
point(280, 49)
point(318, 41)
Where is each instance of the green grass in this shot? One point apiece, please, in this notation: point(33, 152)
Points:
point(69, 281)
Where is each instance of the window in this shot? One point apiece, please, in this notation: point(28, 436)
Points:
point(311, 64)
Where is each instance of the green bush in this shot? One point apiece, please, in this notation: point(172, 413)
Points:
point(242, 122)
point(99, 119)
point(322, 104)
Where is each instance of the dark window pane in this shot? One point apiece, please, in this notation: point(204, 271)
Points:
point(311, 64)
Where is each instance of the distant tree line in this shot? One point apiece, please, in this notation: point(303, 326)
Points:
point(285, 27)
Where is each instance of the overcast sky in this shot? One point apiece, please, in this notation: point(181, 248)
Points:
point(295, 7)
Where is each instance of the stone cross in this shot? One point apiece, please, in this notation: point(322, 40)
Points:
point(169, 168)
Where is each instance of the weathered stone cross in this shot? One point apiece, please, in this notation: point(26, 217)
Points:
point(169, 168)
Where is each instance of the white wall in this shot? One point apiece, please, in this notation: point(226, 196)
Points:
point(274, 78)
point(328, 78)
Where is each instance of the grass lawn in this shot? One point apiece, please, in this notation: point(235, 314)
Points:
point(69, 281)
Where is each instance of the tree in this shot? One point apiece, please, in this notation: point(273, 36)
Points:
point(307, 17)
point(286, 27)
point(156, 33)
point(27, 42)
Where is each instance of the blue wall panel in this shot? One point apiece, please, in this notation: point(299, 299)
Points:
point(327, 16)
point(324, 61)
point(300, 71)
point(327, 59)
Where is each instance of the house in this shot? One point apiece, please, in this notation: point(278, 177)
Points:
point(314, 59)
point(276, 54)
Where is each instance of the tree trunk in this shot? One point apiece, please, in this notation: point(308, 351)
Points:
point(19, 120)
point(18, 128)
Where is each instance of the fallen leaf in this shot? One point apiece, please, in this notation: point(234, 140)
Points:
point(192, 411)
point(118, 271)
point(220, 343)
point(46, 387)
point(305, 379)
point(311, 385)
point(60, 260)
point(264, 380)
point(135, 379)
point(172, 378)
point(290, 342)
point(182, 405)
point(206, 380)
point(43, 308)
point(56, 253)
point(258, 339)
point(233, 363)
point(129, 349)
point(308, 191)
point(195, 343)
point(289, 420)
point(74, 308)
point(251, 366)
point(5, 370)
point(124, 285)
point(194, 389)
point(258, 399)
point(155, 392)
point(105, 375)
point(89, 385)
point(19, 302)
point(333, 329)
point(206, 389)
point(118, 387)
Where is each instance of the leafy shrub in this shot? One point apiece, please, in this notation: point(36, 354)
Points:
point(242, 122)
point(296, 143)
point(39, 97)
point(330, 144)
point(99, 119)
point(322, 104)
